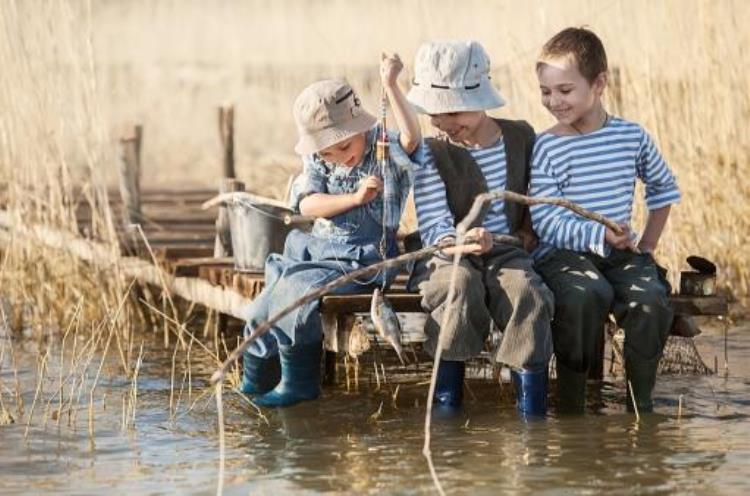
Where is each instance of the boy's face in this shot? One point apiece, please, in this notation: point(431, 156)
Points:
point(459, 126)
point(566, 93)
point(347, 153)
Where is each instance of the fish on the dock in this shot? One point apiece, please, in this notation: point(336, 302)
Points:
point(386, 322)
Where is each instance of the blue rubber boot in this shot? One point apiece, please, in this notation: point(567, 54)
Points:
point(259, 375)
point(300, 376)
point(531, 390)
point(449, 386)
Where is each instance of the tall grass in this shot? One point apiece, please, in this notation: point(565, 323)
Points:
point(75, 71)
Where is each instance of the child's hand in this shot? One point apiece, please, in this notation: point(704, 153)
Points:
point(479, 241)
point(368, 190)
point(390, 68)
point(620, 241)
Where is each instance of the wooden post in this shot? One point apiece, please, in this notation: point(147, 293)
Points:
point(226, 133)
point(129, 167)
point(223, 243)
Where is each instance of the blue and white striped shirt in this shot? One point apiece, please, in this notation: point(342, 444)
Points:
point(597, 171)
point(433, 215)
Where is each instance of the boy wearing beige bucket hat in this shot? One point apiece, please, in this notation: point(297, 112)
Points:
point(496, 284)
point(357, 200)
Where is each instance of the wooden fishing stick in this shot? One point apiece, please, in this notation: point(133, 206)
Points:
point(484, 198)
point(397, 261)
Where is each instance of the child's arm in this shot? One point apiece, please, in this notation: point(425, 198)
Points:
point(661, 191)
point(434, 218)
point(655, 223)
point(556, 225)
point(406, 118)
point(327, 205)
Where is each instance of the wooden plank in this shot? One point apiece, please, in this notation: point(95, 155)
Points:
point(699, 305)
point(410, 302)
point(173, 252)
point(211, 273)
point(401, 301)
point(196, 261)
point(176, 237)
point(189, 267)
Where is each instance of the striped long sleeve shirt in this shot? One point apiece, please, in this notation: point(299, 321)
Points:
point(597, 171)
point(433, 215)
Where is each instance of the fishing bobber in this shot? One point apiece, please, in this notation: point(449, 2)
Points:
point(382, 148)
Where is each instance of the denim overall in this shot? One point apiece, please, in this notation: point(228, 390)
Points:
point(335, 247)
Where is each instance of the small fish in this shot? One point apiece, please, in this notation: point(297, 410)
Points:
point(386, 323)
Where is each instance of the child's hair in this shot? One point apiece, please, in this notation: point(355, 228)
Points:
point(583, 46)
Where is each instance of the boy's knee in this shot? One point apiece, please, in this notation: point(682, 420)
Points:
point(645, 292)
point(468, 285)
point(591, 295)
point(534, 292)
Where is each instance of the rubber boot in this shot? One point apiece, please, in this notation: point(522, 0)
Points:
point(641, 375)
point(259, 375)
point(531, 390)
point(571, 389)
point(449, 386)
point(300, 376)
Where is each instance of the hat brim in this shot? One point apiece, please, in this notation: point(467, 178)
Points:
point(442, 101)
point(310, 143)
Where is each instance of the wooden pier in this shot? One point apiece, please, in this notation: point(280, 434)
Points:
point(166, 239)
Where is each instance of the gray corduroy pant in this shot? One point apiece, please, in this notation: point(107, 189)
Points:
point(500, 287)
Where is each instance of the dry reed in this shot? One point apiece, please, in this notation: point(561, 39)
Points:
point(69, 88)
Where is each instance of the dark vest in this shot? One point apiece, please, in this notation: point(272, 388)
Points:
point(464, 180)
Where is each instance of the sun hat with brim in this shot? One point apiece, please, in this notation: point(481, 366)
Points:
point(452, 76)
point(328, 112)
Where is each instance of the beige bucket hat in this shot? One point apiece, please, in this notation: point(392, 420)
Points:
point(452, 76)
point(328, 112)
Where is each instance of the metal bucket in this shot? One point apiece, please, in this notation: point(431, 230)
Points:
point(257, 228)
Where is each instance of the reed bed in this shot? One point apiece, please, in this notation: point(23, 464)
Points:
point(77, 71)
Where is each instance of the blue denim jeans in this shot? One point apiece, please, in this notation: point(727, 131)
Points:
point(309, 262)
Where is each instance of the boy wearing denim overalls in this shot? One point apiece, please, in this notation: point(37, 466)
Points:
point(593, 159)
point(356, 207)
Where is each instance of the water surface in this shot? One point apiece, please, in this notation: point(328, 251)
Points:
point(340, 444)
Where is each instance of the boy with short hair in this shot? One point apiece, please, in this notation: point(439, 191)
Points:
point(496, 285)
point(593, 159)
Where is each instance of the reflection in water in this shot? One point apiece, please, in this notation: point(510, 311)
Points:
point(335, 445)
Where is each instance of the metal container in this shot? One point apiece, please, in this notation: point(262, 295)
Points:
point(697, 283)
point(257, 228)
point(701, 281)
